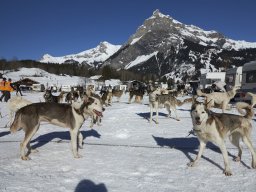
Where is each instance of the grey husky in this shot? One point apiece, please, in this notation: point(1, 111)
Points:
point(156, 98)
point(214, 127)
point(218, 98)
point(72, 116)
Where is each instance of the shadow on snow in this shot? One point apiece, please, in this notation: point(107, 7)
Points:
point(2, 134)
point(89, 186)
point(189, 146)
point(64, 135)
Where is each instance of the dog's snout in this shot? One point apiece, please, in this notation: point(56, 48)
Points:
point(197, 118)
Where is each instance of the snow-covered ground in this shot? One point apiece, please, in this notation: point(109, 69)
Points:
point(125, 154)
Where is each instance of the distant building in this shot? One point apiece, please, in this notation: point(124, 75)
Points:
point(26, 82)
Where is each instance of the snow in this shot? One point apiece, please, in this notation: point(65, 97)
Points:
point(98, 54)
point(135, 40)
point(140, 59)
point(125, 154)
point(44, 77)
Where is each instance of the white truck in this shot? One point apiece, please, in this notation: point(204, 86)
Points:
point(248, 82)
point(233, 77)
point(207, 79)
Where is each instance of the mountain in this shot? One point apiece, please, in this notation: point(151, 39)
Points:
point(91, 57)
point(165, 46)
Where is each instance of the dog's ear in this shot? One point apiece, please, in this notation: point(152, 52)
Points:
point(88, 100)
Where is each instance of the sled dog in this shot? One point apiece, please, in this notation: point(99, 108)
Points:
point(107, 97)
point(72, 116)
point(214, 127)
point(49, 97)
point(14, 104)
point(117, 93)
point(138, 93)
point(218, 98)
point(169, 101)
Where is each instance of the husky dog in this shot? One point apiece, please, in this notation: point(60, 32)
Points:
point(107, 96)
point(72, 116)
point(14, 104)
point(253, 98)
point(72, 96)
point(90, 90)
point(138, 95)
point(214, 127)
point(169, 101)
point(117, 93)
point(218, 98)
point(49, 97)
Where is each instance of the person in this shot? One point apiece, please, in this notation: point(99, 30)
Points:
point(8, 89)
point(18, 90)
point(2, 88)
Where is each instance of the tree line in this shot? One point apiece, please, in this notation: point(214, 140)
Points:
point(82, 70)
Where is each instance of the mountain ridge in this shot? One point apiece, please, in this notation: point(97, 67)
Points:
point(165, 46)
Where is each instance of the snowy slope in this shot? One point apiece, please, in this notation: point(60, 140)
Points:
point(98, 54)
point(125, 154)
point(177, 44)
point(179, 31)
point(44, 77)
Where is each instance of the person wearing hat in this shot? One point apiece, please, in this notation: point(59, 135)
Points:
point(2, 88)
point(8, 89)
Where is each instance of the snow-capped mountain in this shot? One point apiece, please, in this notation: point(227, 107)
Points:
point(163, 45)
point(92, 56)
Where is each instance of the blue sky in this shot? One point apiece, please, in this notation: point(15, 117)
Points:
point(32, 28)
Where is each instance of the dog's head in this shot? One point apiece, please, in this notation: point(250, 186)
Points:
point(93, 106)
point(199, 113)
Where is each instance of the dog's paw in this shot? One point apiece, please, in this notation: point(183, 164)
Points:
point(227, 172)
point(78, 156)
point(25, 158)
point(191, 164)
point(237, 159)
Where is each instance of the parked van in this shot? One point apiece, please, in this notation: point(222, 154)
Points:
point(248, 81)
point(207, 79)
point(66, 88)
point(233, 78)
point(38, 87)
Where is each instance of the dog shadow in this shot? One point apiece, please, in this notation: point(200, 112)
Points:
point(188, 110)
point(2, 134)
point(89, 186)
point(190, 146)
point(60, 136)
point(147, 115)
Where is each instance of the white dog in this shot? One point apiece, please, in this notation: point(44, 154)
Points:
point(218, 98)
point(214, 127)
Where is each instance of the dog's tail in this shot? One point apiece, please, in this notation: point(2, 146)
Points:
point(16, 123)
point(200, 93)
point(248, 113)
